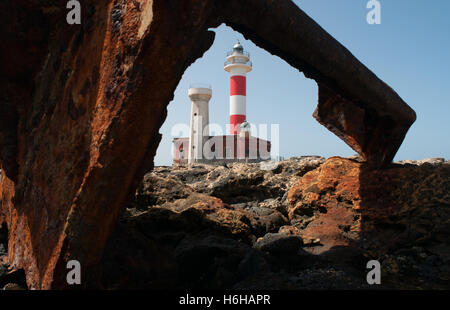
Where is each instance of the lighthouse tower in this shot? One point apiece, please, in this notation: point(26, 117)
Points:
point(200, 96)
point(238, 64)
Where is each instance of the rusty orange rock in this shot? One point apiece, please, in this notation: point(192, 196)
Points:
point(352, 204)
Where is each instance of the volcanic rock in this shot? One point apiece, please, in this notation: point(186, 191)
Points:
point(279, 243)
point(431, 161)
point(350, 214)
point(236, 184)
point(377, 212)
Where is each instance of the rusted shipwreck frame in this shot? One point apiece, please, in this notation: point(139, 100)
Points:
point(125, 62)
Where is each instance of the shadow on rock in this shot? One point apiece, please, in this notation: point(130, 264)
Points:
point(337, 216)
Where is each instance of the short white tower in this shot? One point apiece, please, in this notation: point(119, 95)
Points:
point(199, 132)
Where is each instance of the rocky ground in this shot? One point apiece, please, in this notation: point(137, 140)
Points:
point(310, 223)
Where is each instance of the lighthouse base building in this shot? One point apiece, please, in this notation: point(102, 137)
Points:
point(239, 145)
point(224, 149)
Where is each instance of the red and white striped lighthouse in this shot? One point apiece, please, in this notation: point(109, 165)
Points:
point(238, 64)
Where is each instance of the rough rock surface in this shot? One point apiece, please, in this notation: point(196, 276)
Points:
point(399, 215)
point(432, 161)
point(82, 106)
point(339, 214)
point(10, 279)
point(233, 183)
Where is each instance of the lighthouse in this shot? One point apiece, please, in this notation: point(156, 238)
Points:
point(239, 145)
point(238, 64)
point(199, 129)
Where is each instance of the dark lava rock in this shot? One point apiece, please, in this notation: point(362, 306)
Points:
point(157, 190)
point(279, 243)
point(267, 220)
point(205, 226)
point(13, 280)
point(330, 278)
point(3, 271)
point(209, 261)
point(3, 234)
point(237, 183)
point(253, 263)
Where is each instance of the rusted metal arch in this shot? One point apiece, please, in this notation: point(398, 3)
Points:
point(85, 120)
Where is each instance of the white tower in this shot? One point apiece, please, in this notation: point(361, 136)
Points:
point(199, 132)
point(238, 64)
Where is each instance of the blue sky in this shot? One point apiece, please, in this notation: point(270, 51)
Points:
point(409, 50)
